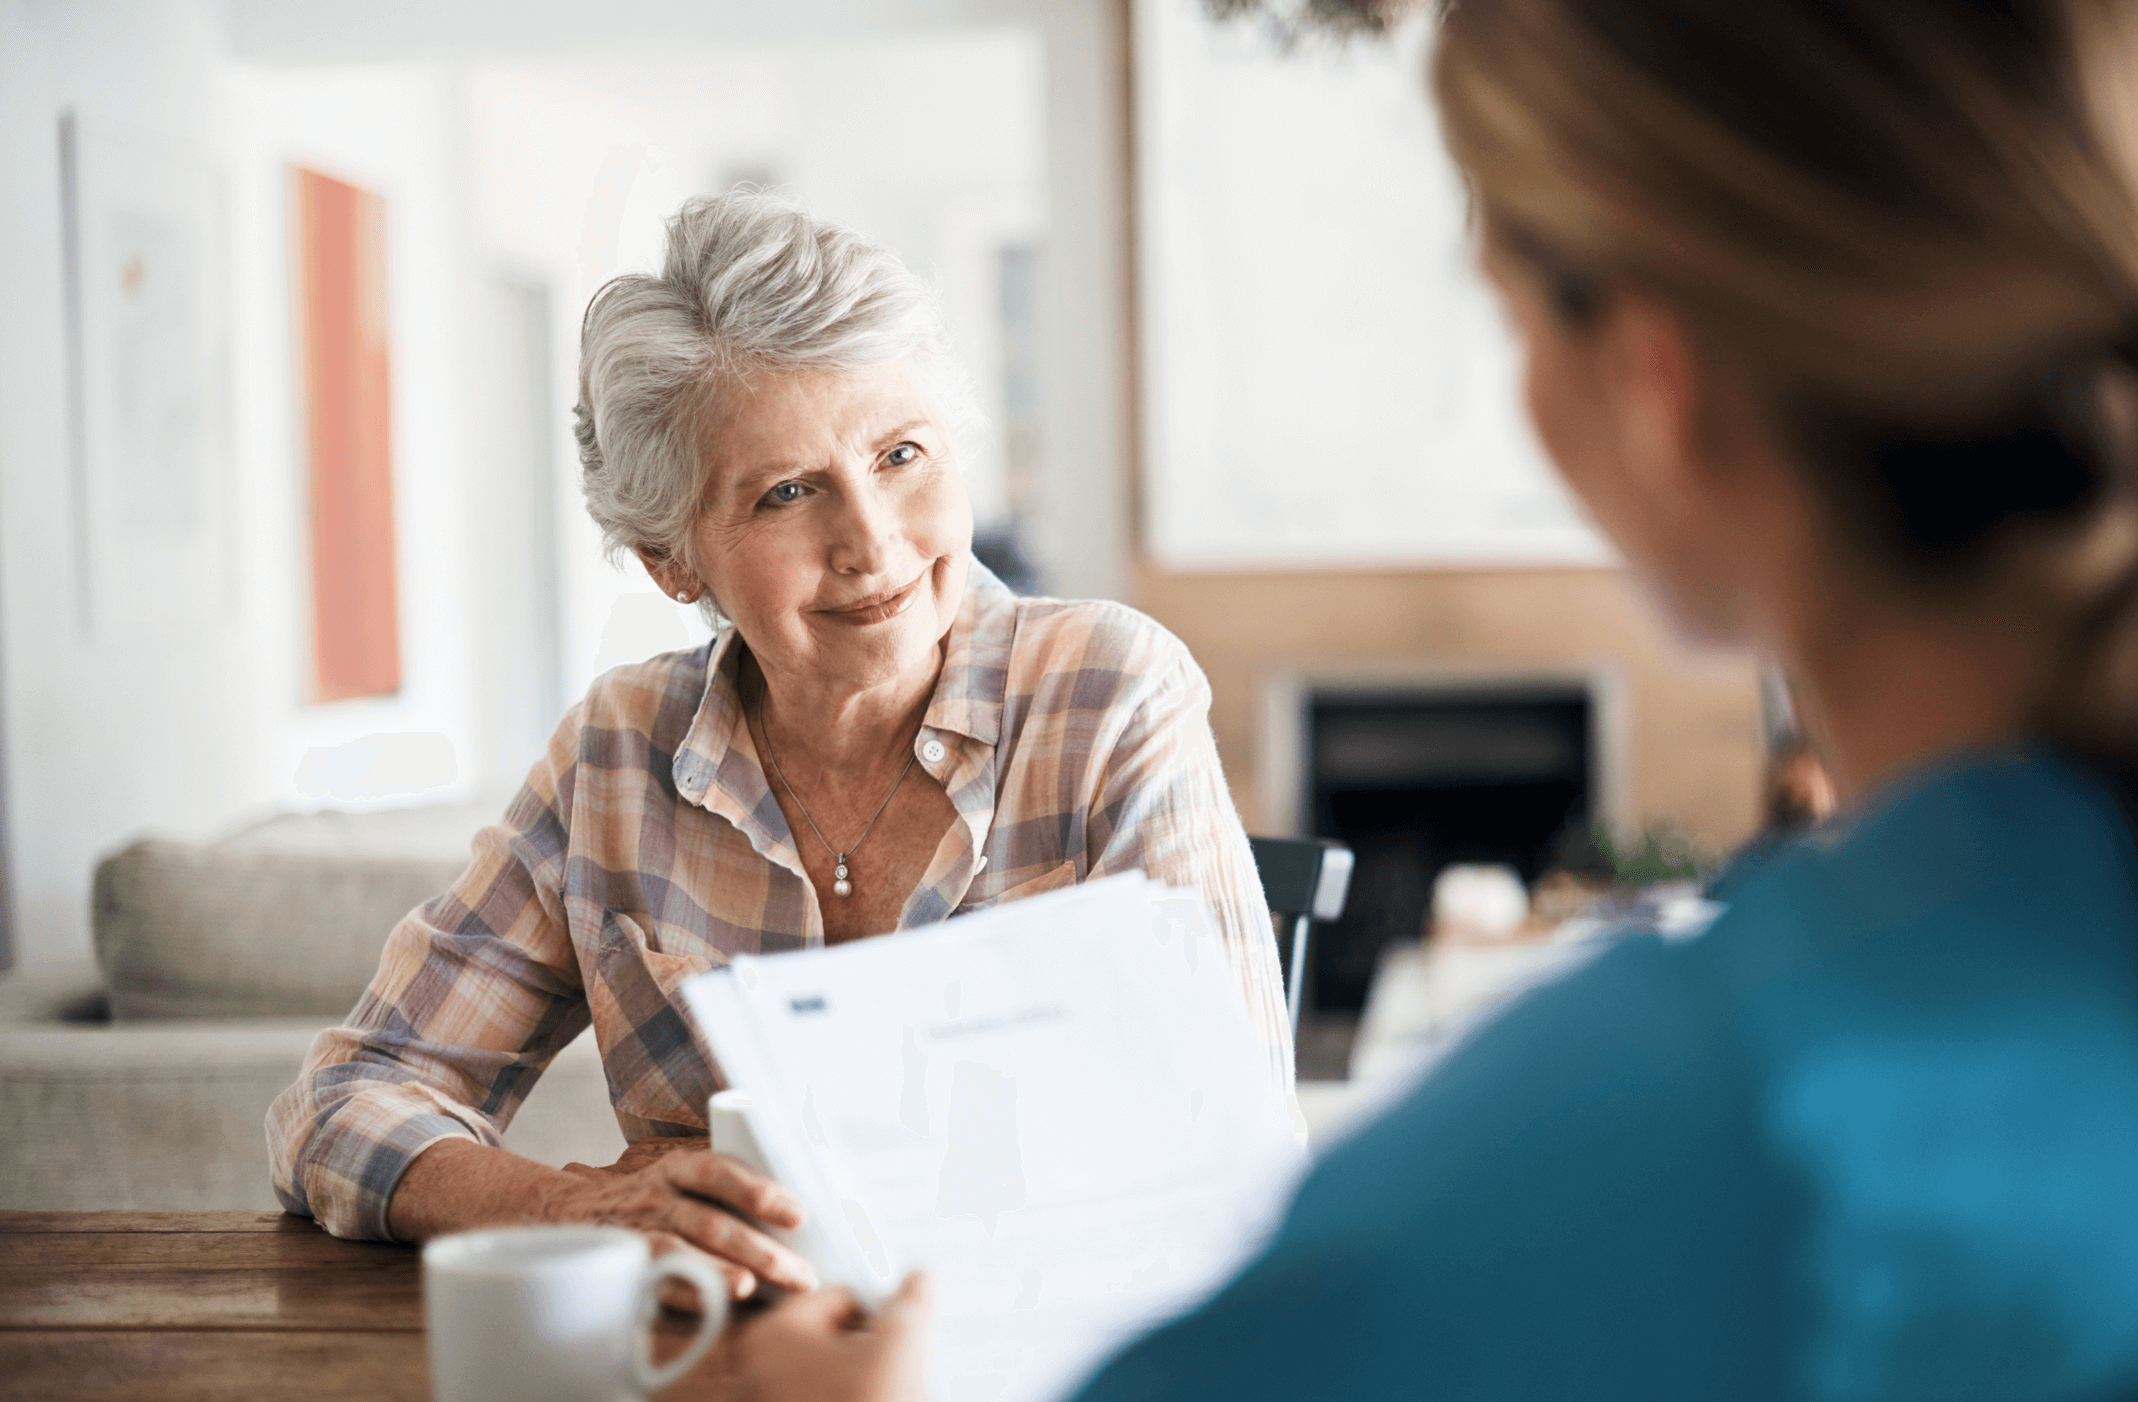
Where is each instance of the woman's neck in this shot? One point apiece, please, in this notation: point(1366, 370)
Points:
point(1887, 689)
point(831, 739)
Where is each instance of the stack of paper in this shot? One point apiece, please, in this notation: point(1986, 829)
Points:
point(1058, 1108)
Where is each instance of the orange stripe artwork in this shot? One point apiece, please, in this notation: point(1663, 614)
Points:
point(341, 257)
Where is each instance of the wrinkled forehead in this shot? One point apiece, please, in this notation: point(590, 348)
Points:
point(767, 422)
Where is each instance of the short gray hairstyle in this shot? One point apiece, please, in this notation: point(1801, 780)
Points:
point(749, 281)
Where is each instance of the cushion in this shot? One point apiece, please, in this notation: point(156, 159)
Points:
point(237, 931)
point(143, 1116)
point(168, 1115)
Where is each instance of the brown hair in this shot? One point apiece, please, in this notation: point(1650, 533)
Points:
point(1908, 227)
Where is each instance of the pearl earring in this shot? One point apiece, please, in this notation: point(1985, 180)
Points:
point(682, 597)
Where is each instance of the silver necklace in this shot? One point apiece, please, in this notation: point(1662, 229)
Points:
point(841, 884)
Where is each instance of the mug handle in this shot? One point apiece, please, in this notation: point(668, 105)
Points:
point(712, 1293)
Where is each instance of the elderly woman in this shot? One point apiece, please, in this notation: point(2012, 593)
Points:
point(880, 735)
point(1831, 312)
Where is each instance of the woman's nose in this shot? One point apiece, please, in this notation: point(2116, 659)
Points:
point(866, 530)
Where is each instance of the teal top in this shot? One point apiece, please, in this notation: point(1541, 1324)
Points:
point(1873, 1135)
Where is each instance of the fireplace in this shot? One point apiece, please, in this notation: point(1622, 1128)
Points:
point(1414, 772)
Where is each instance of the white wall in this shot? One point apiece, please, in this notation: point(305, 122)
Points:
point(139, 713)
point(1327, 380)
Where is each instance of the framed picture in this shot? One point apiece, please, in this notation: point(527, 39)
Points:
point(345, 367)
point(1327, 382)
point(148, 384)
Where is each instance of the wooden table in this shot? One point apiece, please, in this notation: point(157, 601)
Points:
point(216, 1305)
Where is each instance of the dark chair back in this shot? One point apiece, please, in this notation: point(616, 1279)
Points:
point(1304, 880)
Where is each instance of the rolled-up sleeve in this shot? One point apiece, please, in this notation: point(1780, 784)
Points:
point(1163, 808)
point(477, 990)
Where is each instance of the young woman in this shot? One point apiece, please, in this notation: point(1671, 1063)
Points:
point(1831, 309)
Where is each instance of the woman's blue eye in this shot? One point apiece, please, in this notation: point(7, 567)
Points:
point(786, 493)
point(902, 454)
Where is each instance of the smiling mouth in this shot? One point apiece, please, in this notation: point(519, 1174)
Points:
point(877, 608)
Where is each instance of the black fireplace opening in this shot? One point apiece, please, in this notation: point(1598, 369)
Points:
point(1414, 781)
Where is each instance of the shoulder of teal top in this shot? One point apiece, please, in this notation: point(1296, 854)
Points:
point(1981, 835)
point(1941, 999)
point(1509, 1228)
point(1585, 1198)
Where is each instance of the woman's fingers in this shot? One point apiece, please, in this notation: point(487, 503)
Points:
point(680, 1294)
point(903, 1318)
point(822, 1348)
point(904, 1322)
point(822, 1311)
point(730, 1238)
point(722, 1179)
point(646, 1152)
point(684, 1190)
point(915, 1301)
point(742, 1284)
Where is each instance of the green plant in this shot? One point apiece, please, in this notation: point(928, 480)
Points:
point(1659, 852)
point(1293, 22)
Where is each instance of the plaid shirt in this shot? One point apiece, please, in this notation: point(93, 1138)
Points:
point(647, 847)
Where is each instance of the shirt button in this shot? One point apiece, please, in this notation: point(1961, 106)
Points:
point(932, 751)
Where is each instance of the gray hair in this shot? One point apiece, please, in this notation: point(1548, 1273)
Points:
point(749, 281)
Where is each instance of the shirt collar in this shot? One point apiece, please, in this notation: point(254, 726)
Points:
point(976, 660)
point(715, 772)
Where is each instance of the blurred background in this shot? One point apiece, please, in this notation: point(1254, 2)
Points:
point(289, 522)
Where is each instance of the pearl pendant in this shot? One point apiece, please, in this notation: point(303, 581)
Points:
point(840, 886)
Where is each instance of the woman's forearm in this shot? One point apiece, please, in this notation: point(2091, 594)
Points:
point(456, 1184)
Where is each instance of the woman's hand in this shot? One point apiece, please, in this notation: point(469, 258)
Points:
point(637, 1156)
point(680, 1193)
point(825, 1348)
point(676, 1191)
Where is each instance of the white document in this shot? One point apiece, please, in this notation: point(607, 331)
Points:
point(1058, 1108)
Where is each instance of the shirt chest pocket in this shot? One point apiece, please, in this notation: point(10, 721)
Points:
point(657, 1067)
point(1053, 879)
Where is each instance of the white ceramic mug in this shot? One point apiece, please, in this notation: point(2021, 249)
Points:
point(555, 1314)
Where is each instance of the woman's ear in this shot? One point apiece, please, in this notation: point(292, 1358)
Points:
point(1652, 382)
point(675, 579)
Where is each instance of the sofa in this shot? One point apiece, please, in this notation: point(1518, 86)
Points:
point(142, 1079)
